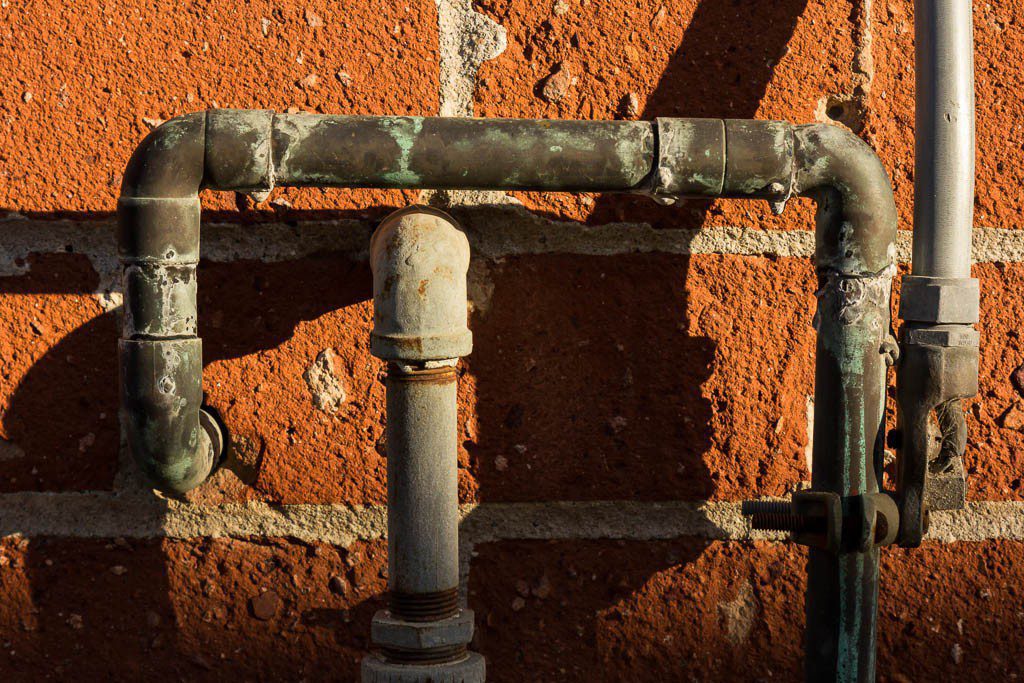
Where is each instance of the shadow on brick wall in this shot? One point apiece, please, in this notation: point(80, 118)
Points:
point(588, 383)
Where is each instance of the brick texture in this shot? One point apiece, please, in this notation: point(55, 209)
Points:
point(685, 610)
point(82, 88)
point(209, 610)
point(640, 376)
point(58, 387)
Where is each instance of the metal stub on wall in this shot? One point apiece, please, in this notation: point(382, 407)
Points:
point(947, 490)
point(939, 300)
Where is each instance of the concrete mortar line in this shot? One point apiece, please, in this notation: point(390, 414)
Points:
point(110, 515)
point(504, 230)
point(466, 39)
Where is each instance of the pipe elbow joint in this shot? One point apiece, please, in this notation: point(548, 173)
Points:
point(419, 257)
point(856, 217)
point(175, 443)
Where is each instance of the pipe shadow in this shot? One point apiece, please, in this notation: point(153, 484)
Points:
point(583, 392)
point(721, 70)
point(187, 609)
point(588, 386)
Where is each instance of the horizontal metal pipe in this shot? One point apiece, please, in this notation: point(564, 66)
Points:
point(254, 151)
point(461, 153)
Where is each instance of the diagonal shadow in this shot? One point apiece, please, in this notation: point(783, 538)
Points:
point(590, 425)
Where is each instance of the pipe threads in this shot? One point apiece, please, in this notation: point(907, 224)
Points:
point(434, 655)
point(775, 516)
point(420, 607)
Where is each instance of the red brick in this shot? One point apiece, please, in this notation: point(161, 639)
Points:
point(263, 325)
point(642, 377)
point(1000, 142)
point(128, 610)
point(58, 379)
point(679, 58)
point(687, 610)
point(632, 611)
point(995, 448)
point(943, 596)
point(91, 76)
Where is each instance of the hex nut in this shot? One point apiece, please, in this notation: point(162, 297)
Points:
point(939, 300)
point(387, 631)
point(959, 336)
point(471, 669)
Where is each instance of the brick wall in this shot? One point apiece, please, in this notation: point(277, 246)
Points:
point(638, 369)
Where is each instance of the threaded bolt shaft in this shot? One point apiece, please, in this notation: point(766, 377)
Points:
point(775, 516)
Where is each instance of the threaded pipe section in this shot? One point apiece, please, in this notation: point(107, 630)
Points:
point(434, 655)
point(424, 606)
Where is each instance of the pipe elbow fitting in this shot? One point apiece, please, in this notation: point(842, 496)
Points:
point(856, 218)
point(169, 161)
point(419, 257)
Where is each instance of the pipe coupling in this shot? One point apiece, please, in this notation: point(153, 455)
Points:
point(419, 257)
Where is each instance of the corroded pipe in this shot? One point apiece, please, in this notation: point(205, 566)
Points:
point(254, 151)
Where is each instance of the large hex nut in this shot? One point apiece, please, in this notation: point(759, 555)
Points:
point(387, 631)
point(471, 669)
point(953, 336)
point(939, 300)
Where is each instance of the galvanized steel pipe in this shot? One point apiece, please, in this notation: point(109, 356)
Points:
point(420, 258)
point(940, 300)
point(944, 138)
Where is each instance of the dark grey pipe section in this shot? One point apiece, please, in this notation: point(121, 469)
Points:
point(462, 153)
point(423, 485)
point(944, 138)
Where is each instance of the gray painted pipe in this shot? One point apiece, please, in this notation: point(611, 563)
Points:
point(940, 300)
point(944, 138)
point(423, 486)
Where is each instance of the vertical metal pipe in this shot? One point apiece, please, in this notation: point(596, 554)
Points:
point(849, 395)
point(944, 138)
point(423, 492)
point(419, 258)
point(855, 238)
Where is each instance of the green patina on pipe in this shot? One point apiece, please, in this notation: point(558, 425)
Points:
point(177, 444)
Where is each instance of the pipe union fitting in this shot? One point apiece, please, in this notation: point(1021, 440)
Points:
point(939, 300)
point(419, 258)
point(387, 631)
